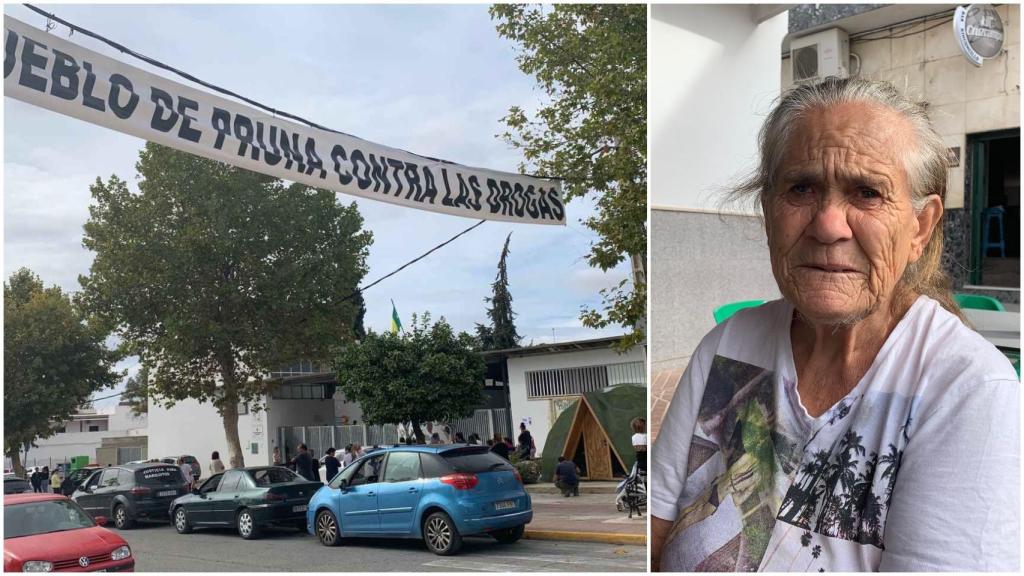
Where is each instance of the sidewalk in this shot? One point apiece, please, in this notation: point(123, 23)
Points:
point(589, 517)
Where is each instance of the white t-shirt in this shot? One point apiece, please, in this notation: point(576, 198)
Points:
point(917, 468)
point(640, 439)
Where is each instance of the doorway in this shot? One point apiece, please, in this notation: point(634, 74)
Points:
point(995, 209)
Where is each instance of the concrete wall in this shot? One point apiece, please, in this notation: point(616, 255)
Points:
point(712, 79)
point(540, 410)
point(927, 64)
point(193, 428)
point(699, 262)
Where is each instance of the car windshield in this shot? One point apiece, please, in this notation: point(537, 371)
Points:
point(268, 476)
point(42, 517)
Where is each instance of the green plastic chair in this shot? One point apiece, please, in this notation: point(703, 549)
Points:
point(722, 313)
point(977, 302)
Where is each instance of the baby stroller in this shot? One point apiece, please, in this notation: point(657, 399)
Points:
point(631, 493)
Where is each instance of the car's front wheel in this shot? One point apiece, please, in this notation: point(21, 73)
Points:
point(509, 535)
point(327, 529)
point(246, 524)
point(441, 535)
point(122, 520)
point(181, 521)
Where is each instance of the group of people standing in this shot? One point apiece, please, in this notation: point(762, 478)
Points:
point(306, 465)
point(41, 477)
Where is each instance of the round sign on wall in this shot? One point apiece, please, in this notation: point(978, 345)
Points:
point(979, 31)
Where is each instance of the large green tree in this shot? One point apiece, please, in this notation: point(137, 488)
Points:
point(501, 332)
point(591, 61)
point(429, 373)
point(216, 276)
point(53, 361)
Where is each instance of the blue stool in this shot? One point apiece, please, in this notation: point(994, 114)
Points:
point(994, 213)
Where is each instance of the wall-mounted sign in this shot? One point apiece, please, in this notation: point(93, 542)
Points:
point(979, 31)
point(53, 73)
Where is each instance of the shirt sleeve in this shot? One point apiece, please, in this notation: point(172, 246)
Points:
point(956, 501)
point(672, 445)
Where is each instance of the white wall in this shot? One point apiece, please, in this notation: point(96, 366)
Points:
point(350, 409)
point(113, 422)
point(121, 418)
point(540, 410)
point(713, 73)
point(193, 428)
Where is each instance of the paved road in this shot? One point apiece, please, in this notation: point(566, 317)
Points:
point(158, 548)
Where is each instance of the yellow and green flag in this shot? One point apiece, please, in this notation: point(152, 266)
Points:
point(396, 322)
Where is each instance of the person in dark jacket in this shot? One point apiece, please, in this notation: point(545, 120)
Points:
point(332, 464)
point(303, 463)
point(525, 442)
point(567, 477)
point(499, 447)
point(315, 465)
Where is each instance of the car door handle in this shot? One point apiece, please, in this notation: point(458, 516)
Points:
point(411, 490)
point(371, 493)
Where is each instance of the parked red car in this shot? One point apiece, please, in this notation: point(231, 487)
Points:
point(49, 532)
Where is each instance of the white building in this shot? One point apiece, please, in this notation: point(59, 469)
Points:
point(194, 428)
point(545, 379)
point(86, 432)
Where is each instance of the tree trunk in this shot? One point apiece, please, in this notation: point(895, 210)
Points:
point(229, 413)
point(418, 431)
point(19, 468)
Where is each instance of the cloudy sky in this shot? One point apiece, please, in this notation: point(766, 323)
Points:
point(432, 80)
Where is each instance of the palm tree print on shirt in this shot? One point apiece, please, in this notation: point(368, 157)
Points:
point(843, 491)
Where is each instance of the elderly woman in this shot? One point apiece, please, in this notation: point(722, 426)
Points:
point(857, 424)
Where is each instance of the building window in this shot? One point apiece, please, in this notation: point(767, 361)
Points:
point(94, 428)
point(61, 430)
point(576, 381)
point(303, 392)
point(298, 369)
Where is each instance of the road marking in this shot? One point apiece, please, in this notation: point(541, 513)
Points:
point(461, 564)
point(640, 563)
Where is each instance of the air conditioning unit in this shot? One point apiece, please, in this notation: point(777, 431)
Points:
point(819, 55)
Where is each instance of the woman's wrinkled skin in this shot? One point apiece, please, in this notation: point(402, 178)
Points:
point(841, 231)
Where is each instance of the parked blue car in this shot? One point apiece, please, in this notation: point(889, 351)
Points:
point(437, 493)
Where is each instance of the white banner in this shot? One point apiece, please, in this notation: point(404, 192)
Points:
point(47, 71)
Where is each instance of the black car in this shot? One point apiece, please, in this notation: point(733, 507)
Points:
point(15, 485)
point(131, 492)
point(248, 499)
point(75, 479)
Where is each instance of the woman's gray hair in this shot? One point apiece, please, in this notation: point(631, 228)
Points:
point(926, 165)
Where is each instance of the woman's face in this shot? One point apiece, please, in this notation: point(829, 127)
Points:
point(841, 227)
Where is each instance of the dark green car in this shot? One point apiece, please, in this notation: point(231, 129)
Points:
point(249, 499)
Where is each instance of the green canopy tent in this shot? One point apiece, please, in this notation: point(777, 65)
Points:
point(595, 433)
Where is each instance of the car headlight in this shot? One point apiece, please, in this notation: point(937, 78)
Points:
point(37, 566)
point(121, 553)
